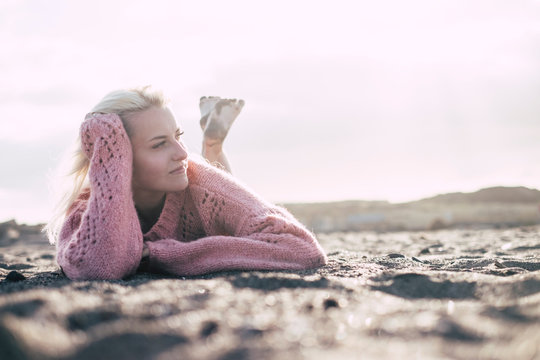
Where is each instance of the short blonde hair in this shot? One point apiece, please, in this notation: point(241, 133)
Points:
point(124, 103)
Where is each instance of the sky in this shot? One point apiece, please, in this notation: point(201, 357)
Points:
point(373, 100)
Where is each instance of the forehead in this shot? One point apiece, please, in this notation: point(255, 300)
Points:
point(152, 122)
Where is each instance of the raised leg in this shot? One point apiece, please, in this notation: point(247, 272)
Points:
point(217, 117)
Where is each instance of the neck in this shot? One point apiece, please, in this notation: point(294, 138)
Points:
point(149, 205)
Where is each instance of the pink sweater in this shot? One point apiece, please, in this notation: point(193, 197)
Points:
point(215, 224)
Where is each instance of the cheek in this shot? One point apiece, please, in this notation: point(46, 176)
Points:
point(146, 168)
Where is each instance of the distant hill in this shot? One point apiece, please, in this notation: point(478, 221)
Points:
point(498, 194)
point(492, 207)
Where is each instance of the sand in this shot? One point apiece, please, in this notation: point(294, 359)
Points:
point(449, 294)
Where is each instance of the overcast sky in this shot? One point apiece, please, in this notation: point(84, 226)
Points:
point(377, 100)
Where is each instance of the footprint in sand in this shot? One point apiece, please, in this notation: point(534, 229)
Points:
point(218, 115)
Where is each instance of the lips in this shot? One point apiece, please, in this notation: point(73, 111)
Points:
point(179, 170)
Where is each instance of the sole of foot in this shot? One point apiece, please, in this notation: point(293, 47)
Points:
point(219, 120)
point(206, 105)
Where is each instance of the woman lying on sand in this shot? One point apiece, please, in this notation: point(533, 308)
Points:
point(139, 202)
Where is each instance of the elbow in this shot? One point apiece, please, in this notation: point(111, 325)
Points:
point(97, 263)
point(318, 260)
point(313, 257)
point(323, 259)
point(81, 269)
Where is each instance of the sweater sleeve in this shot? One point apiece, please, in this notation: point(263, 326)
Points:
point(101, 237)
point(275, 243)
point(245, 233)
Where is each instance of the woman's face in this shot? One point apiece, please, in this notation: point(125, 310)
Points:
point(159, 156)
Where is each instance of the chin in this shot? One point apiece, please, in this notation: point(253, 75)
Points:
point(178, 183)
point(181, 185)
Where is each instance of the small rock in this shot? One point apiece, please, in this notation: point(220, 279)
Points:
point(417, 260)
point(250, 332)
point(15, 276)
point(395, 256)
point(209, 328)
point(452, 330)
point(328, 303)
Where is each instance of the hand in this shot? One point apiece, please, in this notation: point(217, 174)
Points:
point(145, 259)
point(146, 251)
point(99, 127)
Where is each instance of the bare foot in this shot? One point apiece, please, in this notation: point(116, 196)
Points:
point(220, 118)
point(207, 104)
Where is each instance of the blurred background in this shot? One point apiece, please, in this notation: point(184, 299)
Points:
point(375, 100)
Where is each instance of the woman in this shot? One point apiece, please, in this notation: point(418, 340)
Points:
point(139, 201)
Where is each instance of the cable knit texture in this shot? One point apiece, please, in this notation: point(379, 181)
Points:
point(215, 224)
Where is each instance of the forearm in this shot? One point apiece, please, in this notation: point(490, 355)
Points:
point(106, 244)
point(102, 239)
point(219, 253)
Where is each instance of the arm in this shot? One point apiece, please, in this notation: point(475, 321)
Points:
point(279, 246)
point(245, 232)
point(101, 238)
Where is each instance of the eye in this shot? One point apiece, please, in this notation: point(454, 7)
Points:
point(178, 134)
point(159, 144)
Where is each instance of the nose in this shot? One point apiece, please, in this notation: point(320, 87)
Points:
point(180, 151)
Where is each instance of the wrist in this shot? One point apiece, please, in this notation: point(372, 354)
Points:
point(146, 250)
point(145, 258)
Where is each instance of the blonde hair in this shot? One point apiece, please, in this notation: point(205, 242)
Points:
point(123, 102)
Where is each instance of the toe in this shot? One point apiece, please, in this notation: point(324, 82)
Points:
point(203, 121)
point(219, 105)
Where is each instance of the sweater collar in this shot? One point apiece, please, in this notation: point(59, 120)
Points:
point(168, 219)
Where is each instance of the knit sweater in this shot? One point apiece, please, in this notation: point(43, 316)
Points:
point(215, 224)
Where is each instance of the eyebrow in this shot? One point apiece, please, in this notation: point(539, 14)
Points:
point(157, 138)
point(164, 136)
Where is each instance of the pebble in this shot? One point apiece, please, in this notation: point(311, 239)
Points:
point(329, 303)
point(395, 256)
point(209, 328)
point(15, 276)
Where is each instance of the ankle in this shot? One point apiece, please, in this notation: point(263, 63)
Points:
point(212, 149)
point(214, 144)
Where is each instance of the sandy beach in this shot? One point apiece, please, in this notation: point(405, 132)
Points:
point(447, 294)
